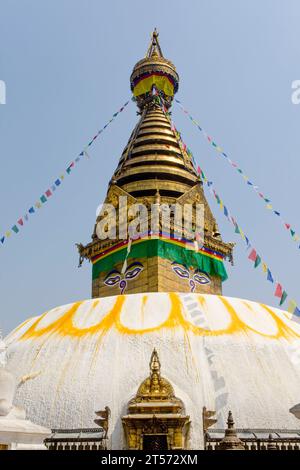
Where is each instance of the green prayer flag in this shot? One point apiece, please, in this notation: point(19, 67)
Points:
point(283, 297)
point(257, 261)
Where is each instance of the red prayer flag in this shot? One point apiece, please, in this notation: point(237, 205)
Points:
point(20, 222)
point(278, 291)
point(253, 256)
point(48, 193)
point(287, 226)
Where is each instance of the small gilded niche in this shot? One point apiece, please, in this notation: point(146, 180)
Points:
point(156, 418)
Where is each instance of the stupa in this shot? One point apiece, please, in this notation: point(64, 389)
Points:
point(156, 296)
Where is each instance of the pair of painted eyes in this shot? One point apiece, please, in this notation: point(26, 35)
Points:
point(130, 274)
point(199, 277)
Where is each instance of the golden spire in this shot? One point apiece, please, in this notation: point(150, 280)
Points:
point(154, 48)
point(155, 168)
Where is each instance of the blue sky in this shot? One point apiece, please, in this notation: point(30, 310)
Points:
point(66, 65)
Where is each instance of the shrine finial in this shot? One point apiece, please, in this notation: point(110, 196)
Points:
point(154, 48)
point(154, 363)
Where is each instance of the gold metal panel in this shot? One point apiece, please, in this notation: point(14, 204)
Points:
point(152, 185)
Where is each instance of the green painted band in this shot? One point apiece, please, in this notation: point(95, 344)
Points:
point(165, 250)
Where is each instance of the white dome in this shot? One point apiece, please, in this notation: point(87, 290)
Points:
point(219, 352)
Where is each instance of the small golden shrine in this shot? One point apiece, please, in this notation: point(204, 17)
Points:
point(156, 418)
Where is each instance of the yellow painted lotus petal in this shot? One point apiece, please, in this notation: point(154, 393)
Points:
point(91, 312)
point(142, 311)
point(206, 312)
point(287, 319)
point(51, 317)
point(20, 330)
point(255, 316)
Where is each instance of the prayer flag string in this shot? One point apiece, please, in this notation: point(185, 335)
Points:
point(253, 256)
point(19, 224)
point(268, 203)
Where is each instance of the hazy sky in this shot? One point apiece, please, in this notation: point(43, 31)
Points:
point(66, 65)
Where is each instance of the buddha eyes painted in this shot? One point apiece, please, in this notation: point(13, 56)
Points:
point(181, 271)
point(133, 270)
point(112, 278)
point(115, 277)
point(201, 278)
point(197, 276)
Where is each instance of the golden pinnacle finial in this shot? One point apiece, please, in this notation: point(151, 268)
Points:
point(154, 363)
point(154, 49)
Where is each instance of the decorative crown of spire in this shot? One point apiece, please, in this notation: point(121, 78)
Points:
point(154, 70)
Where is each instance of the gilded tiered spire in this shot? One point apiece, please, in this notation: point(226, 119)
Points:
point(155, 170)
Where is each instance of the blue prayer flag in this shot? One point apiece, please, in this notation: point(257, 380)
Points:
point(270, 277)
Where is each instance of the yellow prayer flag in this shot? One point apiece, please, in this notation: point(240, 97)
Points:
point(264, 267)
point(242, 234)
point(292, 305)
point(8, 234)
point(268, 206)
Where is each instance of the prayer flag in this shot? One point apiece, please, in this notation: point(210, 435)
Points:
point(2, 240)
point(43, 199)
point(264, 267)
point(253, 255)
point(270, 277)
point(31, 210)
point(15, 229)
point(297, 315)
point(20, 222)
point(292, 305)
point(278, 290)
point(283, 297)
point(48, 193)
point(257, 261)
